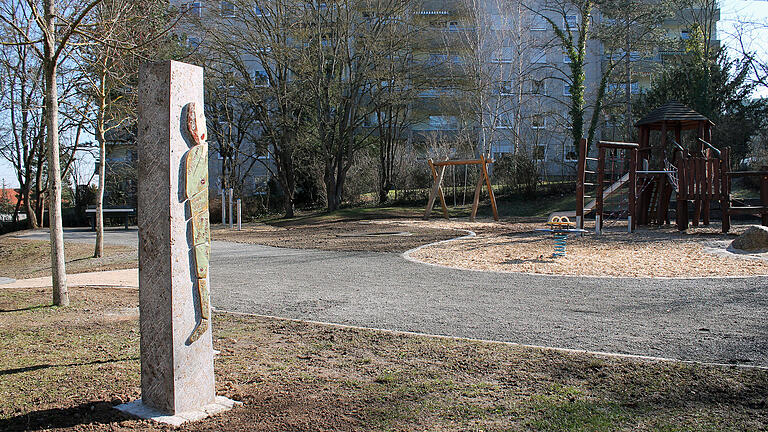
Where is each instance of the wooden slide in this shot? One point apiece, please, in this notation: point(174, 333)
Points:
point(610, 190)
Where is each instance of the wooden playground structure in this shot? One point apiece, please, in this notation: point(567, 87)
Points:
point(438, 172)
point(698, 175)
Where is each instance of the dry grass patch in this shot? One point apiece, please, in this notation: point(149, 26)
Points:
point(64, 368)
point(22, 259)
point(337, 235)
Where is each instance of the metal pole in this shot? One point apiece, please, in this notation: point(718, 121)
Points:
point(239, 215)
point(629, 224)
point(598, 229)
point(223, 208)
point(231, 194)
point(580, 224)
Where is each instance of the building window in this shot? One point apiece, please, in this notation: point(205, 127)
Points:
point(538, 23)
point(571, 155)
point(437, 59)
point(538, 121)
point(442, 122)
point(539, 56)
point(566, 89)
point(227, 9)
point(571, 22)
point(192, 8)
point(260, 78)
point(453, 26)
point(566, 58)
point(497, 22)
point(193, 42)
point(505, 88)
point(539, 153)
point(504, 54)
point(539, 87)
point(685, 34)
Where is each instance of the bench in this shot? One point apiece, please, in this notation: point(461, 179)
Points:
point(124, 213)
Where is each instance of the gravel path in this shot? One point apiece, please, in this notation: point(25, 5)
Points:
point(713, 320)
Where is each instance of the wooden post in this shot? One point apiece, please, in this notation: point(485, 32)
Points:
point(632, 222)
point(484, 168)
point(764, 195)
point(599, 192)
point(476, 199)
point(580, 179)
point(707, 192)
point(696, 190)
point(436, 190)
point(725, 189)
point(440, 190)
point(682, 195)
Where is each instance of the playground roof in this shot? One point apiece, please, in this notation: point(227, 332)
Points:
point(673, 114)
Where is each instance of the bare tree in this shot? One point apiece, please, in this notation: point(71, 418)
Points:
point(49, 43)
point(24, 132)
point(337, 69)
point(258, 47)
point(115, 37)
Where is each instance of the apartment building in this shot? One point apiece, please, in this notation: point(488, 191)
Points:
point(522, 74)
point(497, 77)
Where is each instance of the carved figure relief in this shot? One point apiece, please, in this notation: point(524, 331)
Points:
point(196, 193)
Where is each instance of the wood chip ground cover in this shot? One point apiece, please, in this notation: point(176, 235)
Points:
point(64, 368)
point(515, 246)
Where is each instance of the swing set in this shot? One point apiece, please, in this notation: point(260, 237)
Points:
point(438, 173)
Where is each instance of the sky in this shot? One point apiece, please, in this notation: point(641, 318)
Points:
point(731, 12)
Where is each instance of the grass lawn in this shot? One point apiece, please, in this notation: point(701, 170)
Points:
point(509, 206)
point(21, 259)
point(65, 367)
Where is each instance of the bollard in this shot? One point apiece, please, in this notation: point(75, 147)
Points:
point(598, 228)
point(239, 215)
point(231, 193)
point(629, 224)
point(223, 208)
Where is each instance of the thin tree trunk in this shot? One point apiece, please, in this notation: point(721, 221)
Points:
point(99, 248)
point(58, 270)
point(28, 208)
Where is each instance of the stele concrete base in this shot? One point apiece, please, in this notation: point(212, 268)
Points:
point(139, 410)
point(176, 371)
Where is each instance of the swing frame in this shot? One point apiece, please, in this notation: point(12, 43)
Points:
point(438, 173)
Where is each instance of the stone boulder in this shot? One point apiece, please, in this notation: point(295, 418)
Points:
point(754, 239)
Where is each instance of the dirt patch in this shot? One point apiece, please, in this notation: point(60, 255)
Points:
point(64, 368)
point(515, 246)
point(339, 235)
point(22, 259)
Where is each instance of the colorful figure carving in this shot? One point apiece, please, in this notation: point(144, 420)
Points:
point(196, 192)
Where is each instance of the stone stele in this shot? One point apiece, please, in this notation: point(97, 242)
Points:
point(177, 380)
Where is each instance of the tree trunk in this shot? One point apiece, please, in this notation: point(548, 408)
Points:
point(58, 271)
point(288, 205)
point(99, 248)
point(28, 208)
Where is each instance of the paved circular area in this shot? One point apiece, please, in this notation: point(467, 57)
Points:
point(713, 320)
